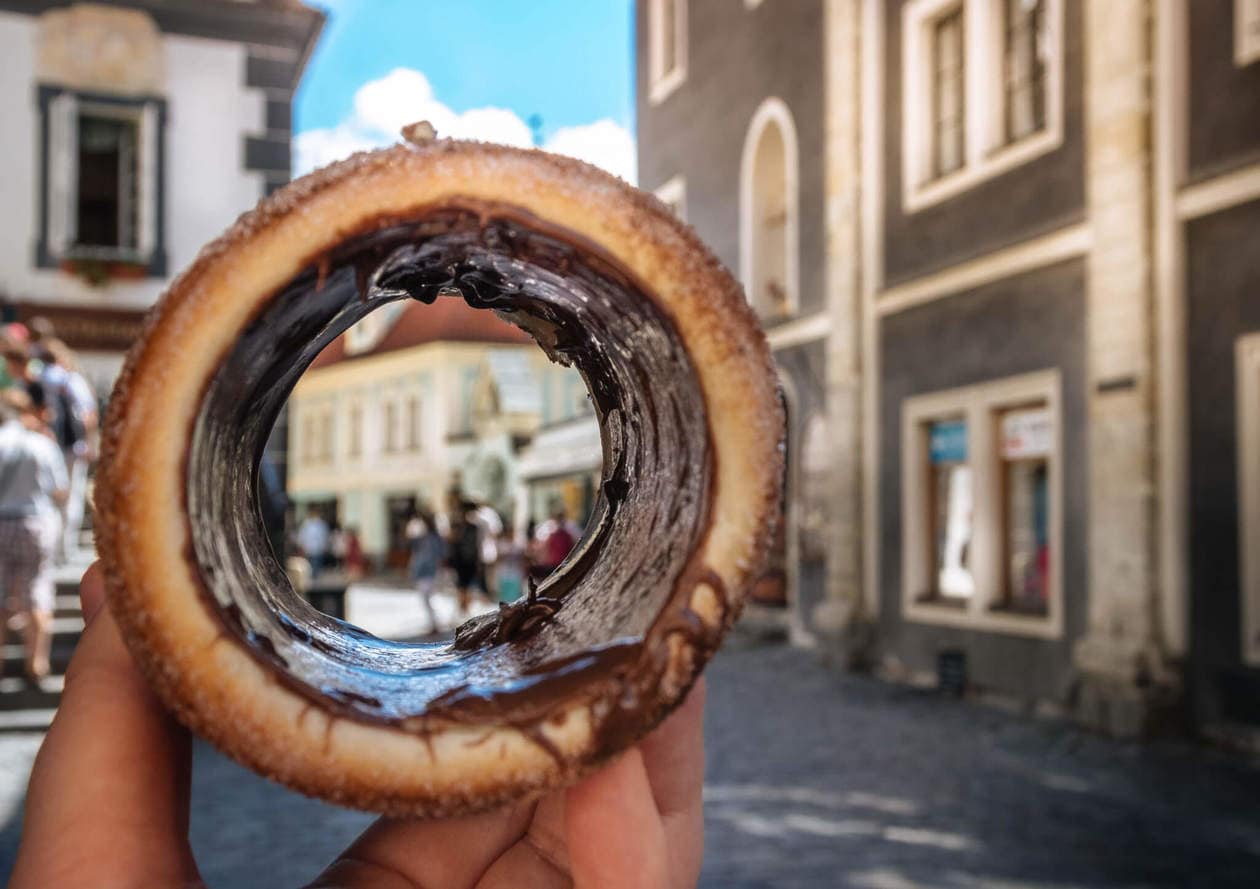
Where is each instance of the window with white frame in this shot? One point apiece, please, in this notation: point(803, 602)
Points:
point(667, 47)
point(326, 433)
point(102, 179)
point(1246, 31)
point(673, 194)
point(1248, 445)
point(413, 423)
point(769, 213)
point(981, 506)
point(389, 432)
point(982, 91)
point(356, 429)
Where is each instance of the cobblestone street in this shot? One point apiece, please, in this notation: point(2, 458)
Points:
point(821, 780)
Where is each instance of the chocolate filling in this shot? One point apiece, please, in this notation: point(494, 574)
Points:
point(597, 628)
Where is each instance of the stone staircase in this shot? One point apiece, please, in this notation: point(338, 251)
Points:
point(24, 707)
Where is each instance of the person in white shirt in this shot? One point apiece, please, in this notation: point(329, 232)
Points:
point(313, 537)
point(33, 485)
point(76, 410)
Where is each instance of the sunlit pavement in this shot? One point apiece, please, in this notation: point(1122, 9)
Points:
point(816, 780)
point(394, 611)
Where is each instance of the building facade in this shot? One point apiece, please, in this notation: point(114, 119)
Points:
point(1002, 265)
point(134, 133)
point(411, 403)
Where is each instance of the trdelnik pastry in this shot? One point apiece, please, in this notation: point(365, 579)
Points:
point(537, 694)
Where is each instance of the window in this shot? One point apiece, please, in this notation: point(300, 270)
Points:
point(102, 179)
point(673, 194)
point(950, 511)
point(326, 436)
point(307, 448)
point(981, 518)
point(1023, 69)
point(982, 91)
point(1246, 31)
point(667, 47)
point(769, 214)
point(1248, 395)
point(356, 430)
point(390, 432)
point(105, 215)
point(413, 423)
point(948, 90)
point(1024, 452)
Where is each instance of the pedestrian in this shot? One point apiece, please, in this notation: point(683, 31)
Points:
point(427, 551)
point(33, 483)
point(509, 570)
point(355, 561)
point(464, 553)
point(556, 537)
point(313, 539)
point(75, 417)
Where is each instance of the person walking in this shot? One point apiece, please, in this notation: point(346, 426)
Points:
point(75, 413)
point(313, 538)
point(427, 551)
point(33, 484)
point(465, 552)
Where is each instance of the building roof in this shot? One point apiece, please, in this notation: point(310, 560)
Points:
point(447, 320)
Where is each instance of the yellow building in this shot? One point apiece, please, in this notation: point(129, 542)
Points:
point(413, 400)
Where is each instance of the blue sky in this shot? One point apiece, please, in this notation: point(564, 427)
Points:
point(485, 67)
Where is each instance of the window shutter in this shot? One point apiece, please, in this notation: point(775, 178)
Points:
point(150, 133)
point(63, 171)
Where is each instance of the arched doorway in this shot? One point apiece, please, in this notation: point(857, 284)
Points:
point(769, 215)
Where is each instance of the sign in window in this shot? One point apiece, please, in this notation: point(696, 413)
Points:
point(1026, 444)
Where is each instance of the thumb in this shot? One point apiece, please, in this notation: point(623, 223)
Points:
point(108, 799)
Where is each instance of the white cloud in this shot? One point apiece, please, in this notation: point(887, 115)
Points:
point(382, 107)
point(604, 143)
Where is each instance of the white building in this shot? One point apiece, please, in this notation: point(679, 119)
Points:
point(410, 403)
point(133, 133)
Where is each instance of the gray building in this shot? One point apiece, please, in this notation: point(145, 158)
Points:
point(1004, 272)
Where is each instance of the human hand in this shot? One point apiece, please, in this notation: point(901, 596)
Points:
point(108, 803)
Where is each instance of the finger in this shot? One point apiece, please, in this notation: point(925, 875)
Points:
point(674, 758)
point(538, 860)
point(674, 755)
point(108, 798)
point(451, 854)
point(615, 836)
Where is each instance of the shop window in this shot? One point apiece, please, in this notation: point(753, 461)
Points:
point(950, 512)
point(667, 47)
point(1248, 412)
point(1025, 451)
point(102, 180)
point(981, 512)
point(1246, 31)
point(982, 91)
point(769, 213)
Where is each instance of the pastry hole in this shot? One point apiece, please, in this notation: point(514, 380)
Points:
point(649, 511)
point(430, 464)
